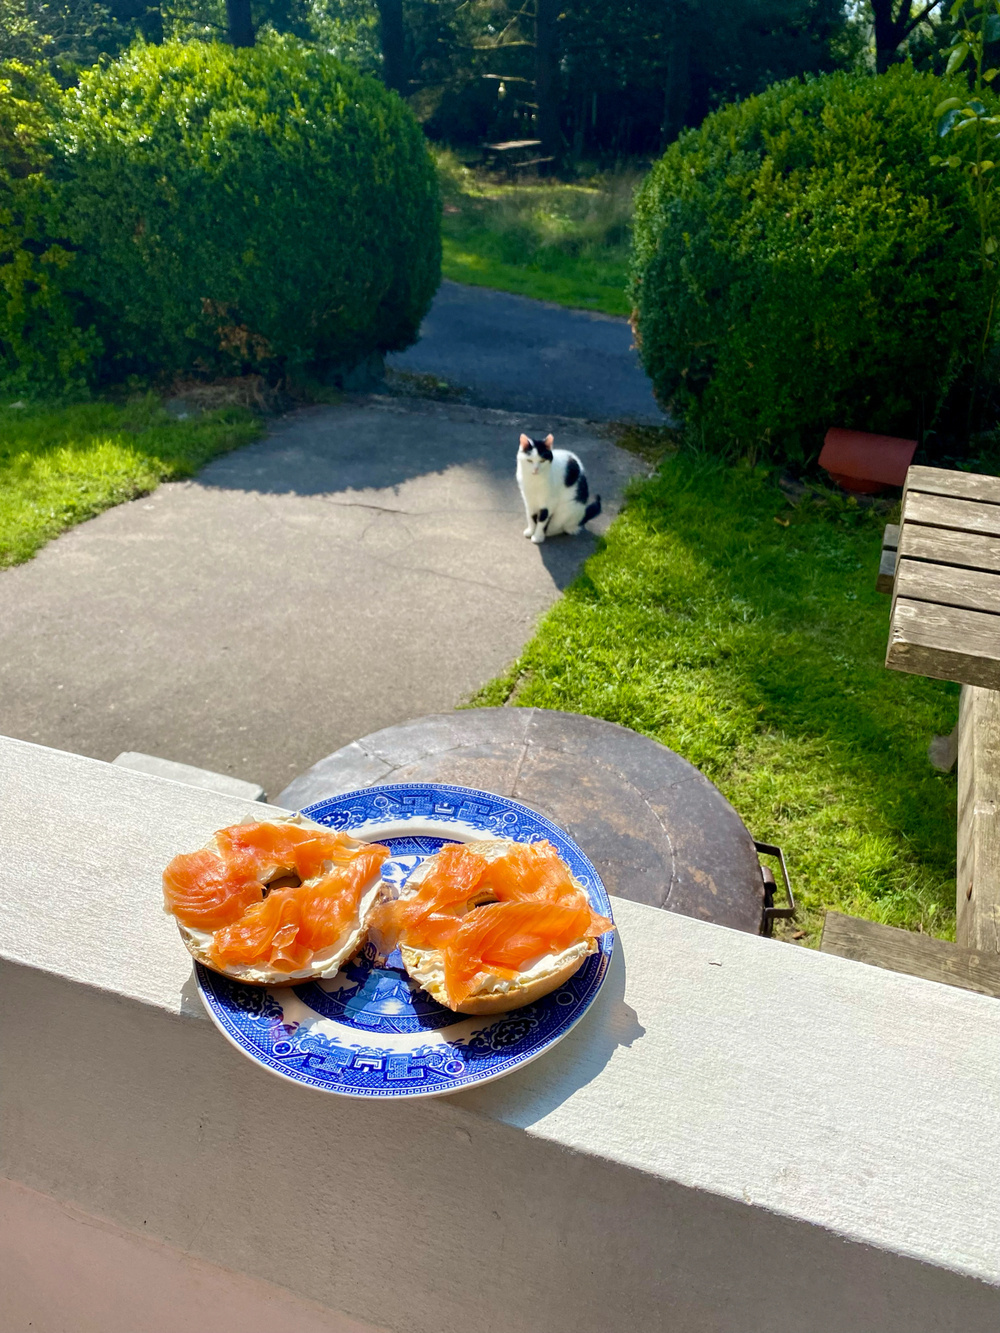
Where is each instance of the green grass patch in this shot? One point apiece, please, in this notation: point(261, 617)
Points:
point(567, 243)
point(60, 465)
point(756, 650)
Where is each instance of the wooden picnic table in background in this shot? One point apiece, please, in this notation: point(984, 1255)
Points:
point(513, 156)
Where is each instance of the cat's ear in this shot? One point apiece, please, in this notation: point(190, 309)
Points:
point(525, 443)
point(549, 441)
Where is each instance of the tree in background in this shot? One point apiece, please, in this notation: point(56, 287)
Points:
point(392, 36)
point(239, 23)
point(893, 23)
point(71, 33)
point(546, 73)
point(924, 33)
point(589, 78)
point(659, 66)
point(605, 77)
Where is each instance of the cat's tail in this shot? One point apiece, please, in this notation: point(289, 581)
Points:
point(593, 509)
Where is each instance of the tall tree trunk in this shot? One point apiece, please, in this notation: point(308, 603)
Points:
point(240, 22)
point(677, 94)
point(151, 25)
point(393, 45)
point(547, 77)
point(889, 31)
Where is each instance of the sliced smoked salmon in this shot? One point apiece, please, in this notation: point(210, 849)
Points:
point(490, 910)
point(206, 892)
point(260, 933)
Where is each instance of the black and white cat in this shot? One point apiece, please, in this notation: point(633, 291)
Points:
point(554, 490)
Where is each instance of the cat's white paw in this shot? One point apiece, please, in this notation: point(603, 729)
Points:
point(538, 537)
point(527, 532)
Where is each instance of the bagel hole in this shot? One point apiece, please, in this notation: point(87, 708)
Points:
point(289, 881)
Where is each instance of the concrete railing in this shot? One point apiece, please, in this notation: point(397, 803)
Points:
point(741, 1136)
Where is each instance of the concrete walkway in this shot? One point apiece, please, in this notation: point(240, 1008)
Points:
point(361, 566)
point(524, 355)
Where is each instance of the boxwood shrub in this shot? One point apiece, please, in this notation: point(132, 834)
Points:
point(268, 209)
point(798, 263)
point(42, 344)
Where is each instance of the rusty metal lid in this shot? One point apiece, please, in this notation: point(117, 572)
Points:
point(656, 829)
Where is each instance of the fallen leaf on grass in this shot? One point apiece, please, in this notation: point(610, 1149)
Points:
point(783, 521)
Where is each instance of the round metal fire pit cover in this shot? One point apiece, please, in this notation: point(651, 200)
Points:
point(656, 829)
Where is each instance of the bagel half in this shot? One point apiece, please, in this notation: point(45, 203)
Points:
point(325, 963)
point(547, 974)
point(492, 994)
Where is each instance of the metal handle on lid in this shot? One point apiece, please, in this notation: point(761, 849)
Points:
point(772, 913)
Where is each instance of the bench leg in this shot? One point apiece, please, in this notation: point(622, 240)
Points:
point(978, 886)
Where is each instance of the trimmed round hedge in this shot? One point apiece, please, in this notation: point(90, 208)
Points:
point(268, 209)
point(798, 264)
point(41, 344)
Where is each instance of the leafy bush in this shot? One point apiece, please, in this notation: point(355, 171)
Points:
point(798, 263)
point(41, 344)
point(266, 209)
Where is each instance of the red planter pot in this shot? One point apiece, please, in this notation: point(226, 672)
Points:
point(864, 463)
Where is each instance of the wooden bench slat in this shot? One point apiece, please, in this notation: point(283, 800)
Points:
point(948, 585)
point(978, 881)
point(944, 481)
point(969, 550)
point(905, 951)
point(946, 642)
point(943, 511)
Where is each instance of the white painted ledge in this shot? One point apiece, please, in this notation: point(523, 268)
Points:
point(742, 1136)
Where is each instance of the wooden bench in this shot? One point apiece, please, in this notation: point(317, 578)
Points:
point(941, 564)
point(946, 591)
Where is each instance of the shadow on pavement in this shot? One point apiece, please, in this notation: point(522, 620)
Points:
point(378, 445)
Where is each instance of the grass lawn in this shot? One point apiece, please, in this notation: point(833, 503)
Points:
point(61, 465)
point(556, 242)
point(748, 636)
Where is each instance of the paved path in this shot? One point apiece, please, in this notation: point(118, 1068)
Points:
point(361, 566)
point(519, 354)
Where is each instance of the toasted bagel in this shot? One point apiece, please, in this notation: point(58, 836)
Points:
point(495, 995)
point(491, 994)
point(323, 963)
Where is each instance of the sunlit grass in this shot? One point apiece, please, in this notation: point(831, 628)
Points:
point(756, 650)
point(60, 465)
point(567, 243)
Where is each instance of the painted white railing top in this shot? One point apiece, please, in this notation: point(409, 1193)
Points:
point(854, 1100)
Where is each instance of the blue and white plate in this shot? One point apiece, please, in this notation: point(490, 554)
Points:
point(371, 1031)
